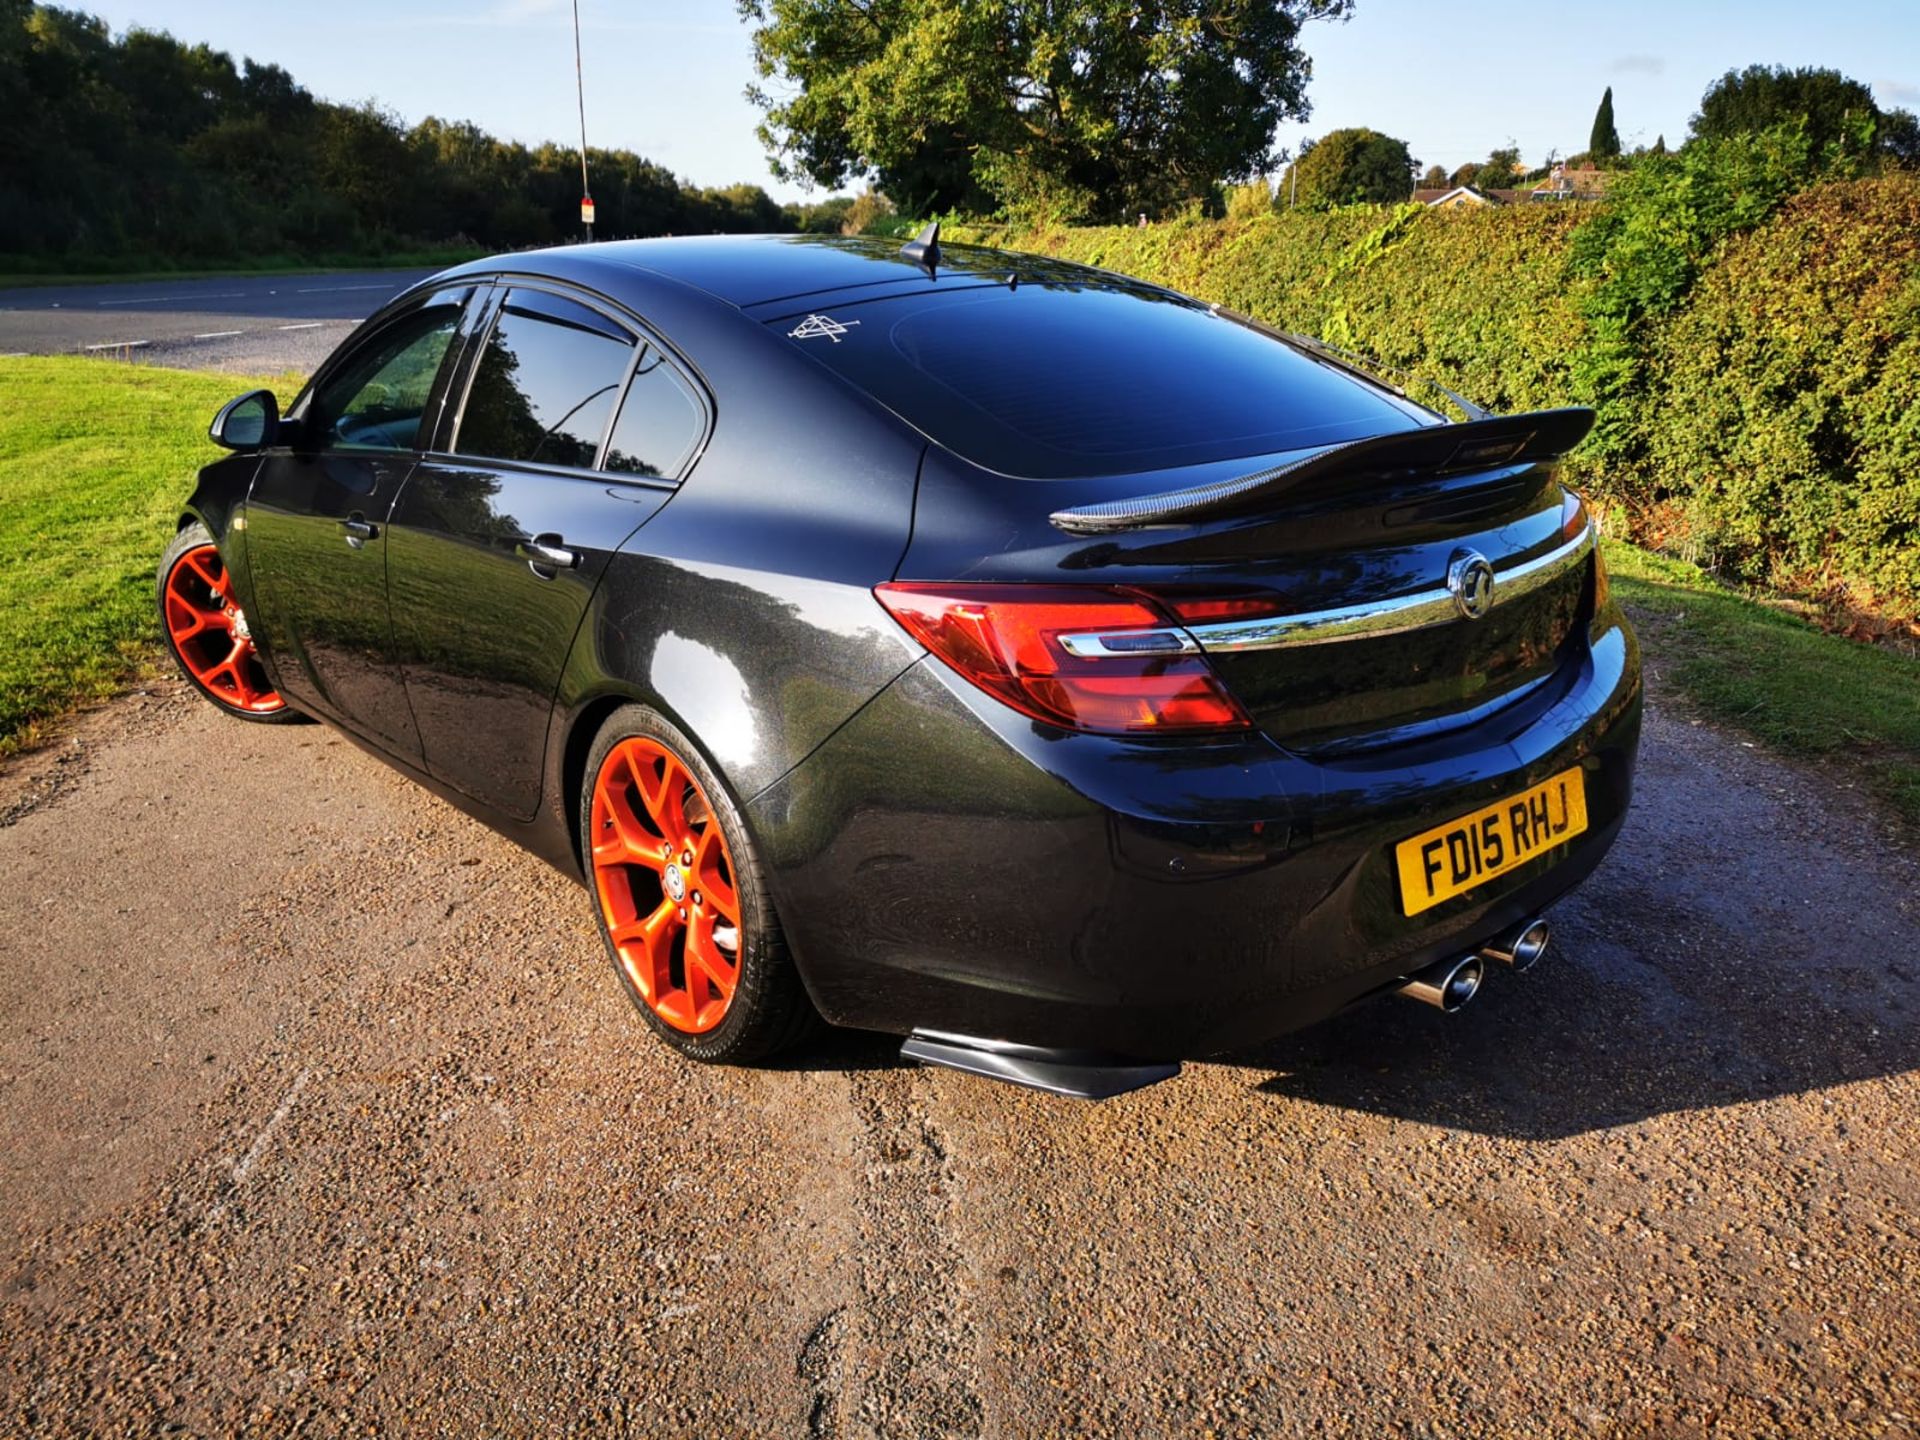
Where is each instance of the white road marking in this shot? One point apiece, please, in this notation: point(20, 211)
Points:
point(117, 345)
point(219, 334)
point(333, 289)
point(243, 1167)
point(309, 325)
point(165, 299)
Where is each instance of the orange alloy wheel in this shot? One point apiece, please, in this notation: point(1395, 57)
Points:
point(209, 633)
point(664, 876)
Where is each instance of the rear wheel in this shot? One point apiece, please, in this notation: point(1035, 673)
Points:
point(206, 630)
point(679, 895)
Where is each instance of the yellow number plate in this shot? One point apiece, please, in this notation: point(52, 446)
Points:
point(1451, 859)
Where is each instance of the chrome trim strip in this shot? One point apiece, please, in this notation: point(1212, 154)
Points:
point(1092, 645)
point(1386, 617)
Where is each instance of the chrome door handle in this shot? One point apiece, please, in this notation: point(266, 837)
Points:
point(544, 553)
point(359, 531)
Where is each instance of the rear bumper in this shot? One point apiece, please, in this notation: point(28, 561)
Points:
point(943, 863)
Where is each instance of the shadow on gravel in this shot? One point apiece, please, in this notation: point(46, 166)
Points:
point(843, 1052)
point(1635, 1013)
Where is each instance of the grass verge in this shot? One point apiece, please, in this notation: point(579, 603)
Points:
point(1785, 682)
point(95, 460)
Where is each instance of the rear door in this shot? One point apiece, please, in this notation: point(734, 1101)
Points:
point(573, 429)
point(317, 517)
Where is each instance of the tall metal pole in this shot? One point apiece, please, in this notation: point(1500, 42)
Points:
point(580, 90)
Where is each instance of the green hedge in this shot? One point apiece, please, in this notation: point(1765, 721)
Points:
point(1777, 424)
point(1788, 419)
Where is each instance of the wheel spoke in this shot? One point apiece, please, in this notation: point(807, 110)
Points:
point(236, 664)
point(652, 936)
point(705, 956)
point(185, 620)
point(696, 988)
point(712, 874)
point(213, 574)
point(629, 843)
point(662, 793)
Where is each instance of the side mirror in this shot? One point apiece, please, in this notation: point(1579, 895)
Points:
point(249, 422)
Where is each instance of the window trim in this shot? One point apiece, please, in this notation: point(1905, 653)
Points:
point(693, 452)
point(643, 337)
point(302, 409)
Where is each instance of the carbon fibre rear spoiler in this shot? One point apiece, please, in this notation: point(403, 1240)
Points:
point(1403, 454)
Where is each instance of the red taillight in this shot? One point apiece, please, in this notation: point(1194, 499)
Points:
point(1573, 515)
point(1574, 521)
point(1081, 657)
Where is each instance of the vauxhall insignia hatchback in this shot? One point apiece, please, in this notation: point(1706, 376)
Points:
point(1041, 665)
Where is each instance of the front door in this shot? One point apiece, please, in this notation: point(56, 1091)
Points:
point(500, 538)
point(317, 525)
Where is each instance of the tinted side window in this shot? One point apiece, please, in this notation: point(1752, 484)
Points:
point(376, 399)
point(544, 386)
point(660, 421)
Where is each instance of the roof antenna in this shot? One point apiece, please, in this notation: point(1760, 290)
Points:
point(924, 248)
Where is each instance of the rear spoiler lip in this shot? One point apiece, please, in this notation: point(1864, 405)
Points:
point(1431, 449)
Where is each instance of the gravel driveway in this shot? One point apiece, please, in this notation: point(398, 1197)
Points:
point(321, 1113)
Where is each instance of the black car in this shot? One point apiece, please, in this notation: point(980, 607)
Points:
point(1051, 668)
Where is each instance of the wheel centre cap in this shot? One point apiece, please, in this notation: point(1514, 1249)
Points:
point(675, 882)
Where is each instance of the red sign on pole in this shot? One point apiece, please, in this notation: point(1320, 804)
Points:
point(586, 211)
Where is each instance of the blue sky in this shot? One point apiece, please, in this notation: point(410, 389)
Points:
point(665, 79)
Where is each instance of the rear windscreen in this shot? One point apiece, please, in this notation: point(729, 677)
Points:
point(1055, 381)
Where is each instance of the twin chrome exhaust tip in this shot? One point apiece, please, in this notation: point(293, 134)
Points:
point(1448, 985)
point(1521, 948)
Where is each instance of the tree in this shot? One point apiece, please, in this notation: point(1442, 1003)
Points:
point(141, 145)
point(1350, 167)
point(868, 208)
point(1899, 139)
point(1095, 109)
point(1467, 174)
point(1434, 179)
point(1501, 167)
point(1659, 145)
point(1249, 201)
point(824, 217)
point(1604, 143)
point(1839, 113)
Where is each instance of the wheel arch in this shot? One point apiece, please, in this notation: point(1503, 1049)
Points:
point(586, 720)
point(585, 725)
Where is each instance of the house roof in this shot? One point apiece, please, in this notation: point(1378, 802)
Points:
point(1464, 195)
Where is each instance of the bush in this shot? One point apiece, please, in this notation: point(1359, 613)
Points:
point(1786, 438)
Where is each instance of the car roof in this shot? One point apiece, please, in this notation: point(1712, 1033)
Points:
point(756, 270)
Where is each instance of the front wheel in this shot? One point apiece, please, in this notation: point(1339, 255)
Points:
point(206, 630)
point(680, 898)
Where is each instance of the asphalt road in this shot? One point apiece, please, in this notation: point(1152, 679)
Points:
point(320, 1113)
point(249, 324)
